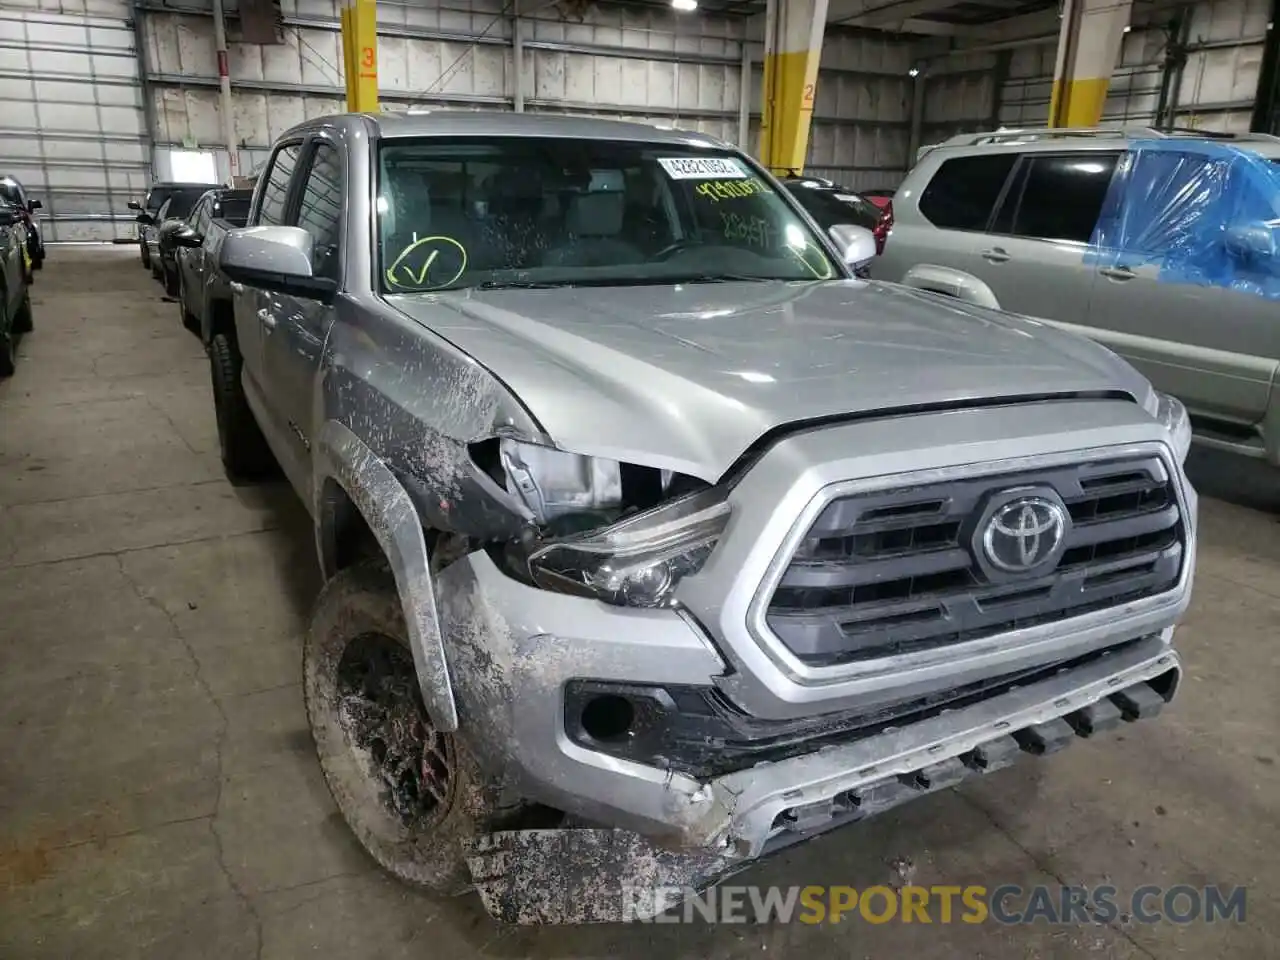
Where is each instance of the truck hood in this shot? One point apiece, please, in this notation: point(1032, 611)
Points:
point(686, 377)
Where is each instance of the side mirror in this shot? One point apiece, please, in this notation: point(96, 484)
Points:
point(134, 205)
point(1254, 241)
point(274, 258)
point(857, 245)
point(145, 219)
point(187, 238)
point(34, 205)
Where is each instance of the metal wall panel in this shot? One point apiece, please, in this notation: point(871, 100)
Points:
point(71, 114)
point(1216, 88)
point(622, 62)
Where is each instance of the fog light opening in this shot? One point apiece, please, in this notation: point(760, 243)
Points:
point(608, 717)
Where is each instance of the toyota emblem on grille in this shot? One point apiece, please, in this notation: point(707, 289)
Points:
point(1024, 533)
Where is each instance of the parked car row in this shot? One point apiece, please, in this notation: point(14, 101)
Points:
point(176, 242)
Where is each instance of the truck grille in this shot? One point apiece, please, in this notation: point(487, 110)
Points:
point(902, 571)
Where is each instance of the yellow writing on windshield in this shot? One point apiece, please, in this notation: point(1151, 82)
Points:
point(717, 190)
point(440, 261)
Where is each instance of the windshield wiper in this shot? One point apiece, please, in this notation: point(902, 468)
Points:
point(523, 284)
point(727, 278)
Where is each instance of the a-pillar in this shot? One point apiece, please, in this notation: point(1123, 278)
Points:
point(360, 55)
point(1088, 46)
point(792, 49)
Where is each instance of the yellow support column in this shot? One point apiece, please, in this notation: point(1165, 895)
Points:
point(1088, 46)
point(792, 49)
point(360, 55)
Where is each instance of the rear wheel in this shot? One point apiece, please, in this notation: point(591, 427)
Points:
point(6, 337)
point(245, 453)
point(146, 259)
point(23, 320)
point(170, 281)
point(410, 793)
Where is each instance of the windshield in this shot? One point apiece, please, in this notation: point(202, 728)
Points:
point(523, 211)
point(830, 207)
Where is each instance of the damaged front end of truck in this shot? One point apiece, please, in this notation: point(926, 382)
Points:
point(641, 749)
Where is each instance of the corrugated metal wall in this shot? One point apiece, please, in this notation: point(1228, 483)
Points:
point(649, 65)
point(1218, 82)
point(71, 114)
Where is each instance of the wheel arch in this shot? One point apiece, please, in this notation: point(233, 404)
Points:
point(353, 492)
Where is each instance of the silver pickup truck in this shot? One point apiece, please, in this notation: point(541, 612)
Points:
point(655, 540)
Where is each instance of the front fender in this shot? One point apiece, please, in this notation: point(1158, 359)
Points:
point(952, 283)
point(340, 456)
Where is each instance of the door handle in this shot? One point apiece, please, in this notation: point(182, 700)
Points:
point(996, 255)
point(268, 318)
point(1117, 273)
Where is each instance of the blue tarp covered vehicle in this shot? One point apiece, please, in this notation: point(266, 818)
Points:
point(1203, 213)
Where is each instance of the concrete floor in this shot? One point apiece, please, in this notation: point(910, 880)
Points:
point(159, 797)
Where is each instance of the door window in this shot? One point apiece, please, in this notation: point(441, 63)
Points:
point(1061, 196)
point(199, 218)
point(964, 191)
point(320, 212)
point(275, 191)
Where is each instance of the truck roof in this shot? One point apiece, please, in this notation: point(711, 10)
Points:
point(494, 123)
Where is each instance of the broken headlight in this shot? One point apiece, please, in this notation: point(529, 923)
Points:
point(638, 561)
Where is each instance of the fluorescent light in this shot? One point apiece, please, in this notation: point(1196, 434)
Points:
point(685, 5)
point(1127, 28)
point(913, 72)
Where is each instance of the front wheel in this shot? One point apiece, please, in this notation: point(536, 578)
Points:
point(410, 793)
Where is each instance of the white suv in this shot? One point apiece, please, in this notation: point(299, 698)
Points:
point(1085, 228)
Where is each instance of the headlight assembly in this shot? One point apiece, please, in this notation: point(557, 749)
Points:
point(1172, 415)
point(638, 561)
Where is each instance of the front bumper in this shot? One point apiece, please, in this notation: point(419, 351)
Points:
point(591, 875)
point(513, 649)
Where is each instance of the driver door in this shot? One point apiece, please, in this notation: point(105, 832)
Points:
point(253, 307)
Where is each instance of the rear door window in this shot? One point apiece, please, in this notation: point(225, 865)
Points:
point(965, 190)
point(1059, 197)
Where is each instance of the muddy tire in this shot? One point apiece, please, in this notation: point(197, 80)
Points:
point(245, 453)
point(411, 795)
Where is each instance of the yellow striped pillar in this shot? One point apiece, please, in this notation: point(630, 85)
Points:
point(792, 49)
point(1088, 46)
point(360, 55)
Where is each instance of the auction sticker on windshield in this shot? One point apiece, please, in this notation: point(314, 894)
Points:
point(701, 168)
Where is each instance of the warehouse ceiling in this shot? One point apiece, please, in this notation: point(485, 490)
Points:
point(939, 17)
